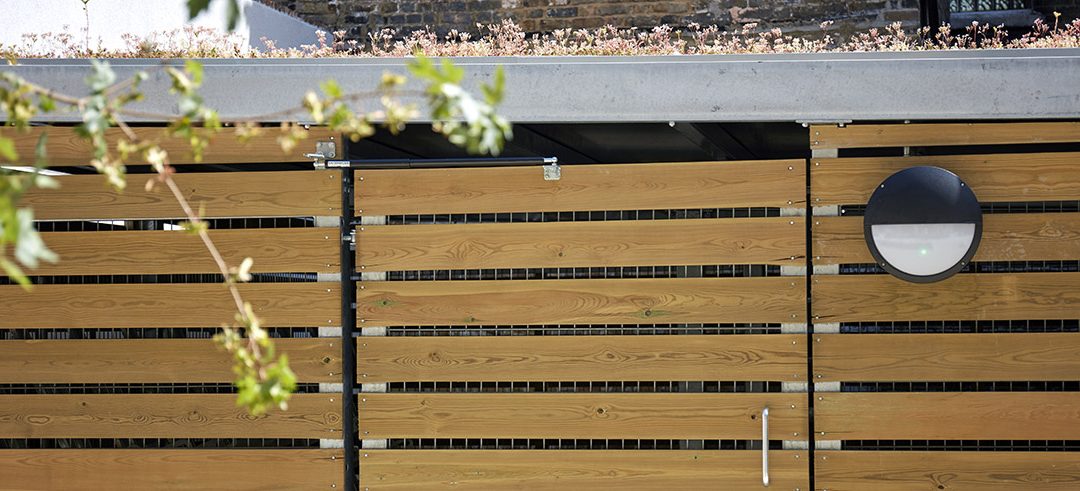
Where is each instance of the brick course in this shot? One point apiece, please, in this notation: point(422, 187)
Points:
point(361, 17)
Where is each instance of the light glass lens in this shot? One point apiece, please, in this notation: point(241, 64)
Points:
point(923, 249)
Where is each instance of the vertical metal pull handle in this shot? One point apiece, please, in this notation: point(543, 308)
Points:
point(765, 447)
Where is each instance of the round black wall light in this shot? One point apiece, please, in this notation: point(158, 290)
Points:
point(923, 224)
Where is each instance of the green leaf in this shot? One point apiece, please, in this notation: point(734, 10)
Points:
point(30, 249)
point(493, 93)
point(195, 69)
point(41, 149)
point(15, 273)
point(101, 76)
point(196, 7)
point(7, 149)
point(233, 15)
point(331, 88)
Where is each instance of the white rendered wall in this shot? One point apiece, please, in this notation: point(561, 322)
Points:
point(109, 19)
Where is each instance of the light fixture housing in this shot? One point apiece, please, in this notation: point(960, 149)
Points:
point(923, 224)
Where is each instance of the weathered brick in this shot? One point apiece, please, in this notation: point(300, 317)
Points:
point(562, 12)
point(359, 17)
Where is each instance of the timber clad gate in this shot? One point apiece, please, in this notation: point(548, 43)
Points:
point(622, 327)
point(969, 383)
point(108, 376)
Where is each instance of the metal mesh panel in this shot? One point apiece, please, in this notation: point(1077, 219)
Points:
point(585, 330)
point(158, 443)
point(965, 445)
point(114, 388)
point(214, 223)
point(1040, 386)
point(162, 278)
point(144, 333)
point(613, 272)
point(697, 387)
point(1069, 206)
point(982, 267)
point(572, 444)
point(954, 326)
point(987, 5)
point(581, 216)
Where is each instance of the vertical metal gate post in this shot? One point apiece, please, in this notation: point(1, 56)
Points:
point(348, 325)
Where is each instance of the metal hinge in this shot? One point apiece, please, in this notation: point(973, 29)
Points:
point(838, 122)
point(323, 150)
point(552, 171)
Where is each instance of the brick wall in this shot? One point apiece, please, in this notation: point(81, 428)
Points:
point(359, 17)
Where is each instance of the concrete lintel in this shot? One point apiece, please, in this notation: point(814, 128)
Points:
point(600, 89)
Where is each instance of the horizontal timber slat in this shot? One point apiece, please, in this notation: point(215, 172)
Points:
point(948, 416)
point(945, 357)
point(582, 187)
point(594, 301)
point(924, 135)
point(955, 471)
point(167, 305)
point(175, 252)
point(993, 178)
point(64, 147)
point(79, 361)
point(220, 195)
point(579, 470)
point(1005, 237)
point(581, 358)
point(980, 296)
point(171, 470)
point(580, 415)
point(164, 416)
point(581, 244)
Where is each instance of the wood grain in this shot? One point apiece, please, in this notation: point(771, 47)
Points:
point(80, 361)
point(582, 358)
point(1005, 237)
point(595, 301)
point(944, 357)
point(857, 298)
point(778, 240)
point(993, 178)
point(164, 416)
point(221, 195)
point(579, 470)
point(580, 415)
point(947, 416)
point(64, 147)
point(167, 305)
point(582, 187)
point(173, 252)
point(954, 471)
point(171, 470)
point(925, 135)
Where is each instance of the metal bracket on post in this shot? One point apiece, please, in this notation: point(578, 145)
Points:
point(552, 171)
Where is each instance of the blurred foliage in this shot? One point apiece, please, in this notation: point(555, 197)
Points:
point(263, 377)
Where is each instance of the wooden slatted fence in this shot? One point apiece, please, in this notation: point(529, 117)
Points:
point(985, 360)
point(171, 469)
point(498, 279)
point(108, 376)
point(559, 470)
